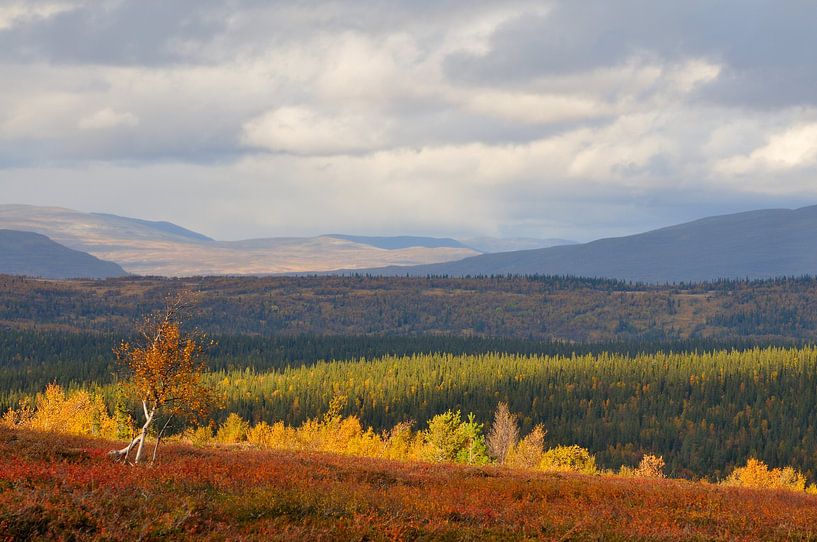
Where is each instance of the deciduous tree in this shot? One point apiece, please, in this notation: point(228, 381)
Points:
point(503, 435)
point(164, 372)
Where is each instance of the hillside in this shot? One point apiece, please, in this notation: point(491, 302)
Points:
point(490, 245)
point(756, 244)
point(65, 487)
point(539, 308)
point(161, 248)
point(34, 255)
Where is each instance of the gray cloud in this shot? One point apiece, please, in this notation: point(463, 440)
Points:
point(567, 119)
point(766, 47)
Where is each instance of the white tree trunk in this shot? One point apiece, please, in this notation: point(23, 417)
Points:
point(122, 455)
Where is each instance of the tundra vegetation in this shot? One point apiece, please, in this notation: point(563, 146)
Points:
point(57, 486)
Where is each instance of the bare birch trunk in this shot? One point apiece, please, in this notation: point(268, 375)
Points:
point(122, 455)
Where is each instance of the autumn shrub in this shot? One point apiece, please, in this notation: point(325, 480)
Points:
point(527, 453)
point(199, 436)
point(277, 435)
point(651, 466)
point(757, 474)
point(77, 412)
point(569, 458)
point(233, 430)
point(401, 442)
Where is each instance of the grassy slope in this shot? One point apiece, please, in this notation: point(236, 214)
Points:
point(47, 492)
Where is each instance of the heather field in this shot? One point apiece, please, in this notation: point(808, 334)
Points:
point(60, 487)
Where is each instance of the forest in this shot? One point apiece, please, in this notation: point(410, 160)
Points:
point(704, 413)
point(32, 358)
point(567, 309)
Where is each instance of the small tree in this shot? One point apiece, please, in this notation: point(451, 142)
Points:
point(651, 466)
point(164, 372)
point(450, 438)
point(503, 435)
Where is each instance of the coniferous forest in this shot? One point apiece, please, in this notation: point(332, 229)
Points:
point(732, 378)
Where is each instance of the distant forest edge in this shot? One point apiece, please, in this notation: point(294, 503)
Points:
point(535, 308)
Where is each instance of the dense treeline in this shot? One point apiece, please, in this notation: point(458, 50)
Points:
point(540, 308)
point(31, 359)
point(705, 412)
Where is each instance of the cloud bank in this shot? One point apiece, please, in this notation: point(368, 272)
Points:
point(564, 119)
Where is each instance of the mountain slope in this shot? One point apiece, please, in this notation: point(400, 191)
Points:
point(35, 255)
point(755, 244)
point(493, 244)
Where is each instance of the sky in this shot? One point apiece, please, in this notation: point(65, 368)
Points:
point(247, 118)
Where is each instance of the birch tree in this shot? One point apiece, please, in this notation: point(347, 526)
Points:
point(164, 371)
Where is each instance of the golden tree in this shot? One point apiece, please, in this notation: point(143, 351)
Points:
point(165, 373)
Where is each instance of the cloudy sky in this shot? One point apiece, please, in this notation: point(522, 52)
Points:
point(248, 118)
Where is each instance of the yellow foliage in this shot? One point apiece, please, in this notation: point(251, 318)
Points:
point(166, 373)
point(200, 436)
point(77, 413)
point(528, 452)
point(400, 442)
point(651, 466)
point(569, 458)
point(276, 435)
point(233, 430)
point(758, 475)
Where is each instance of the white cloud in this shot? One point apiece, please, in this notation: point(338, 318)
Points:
point(107, 118)
point(300, 130)
point(15, 13)
point(530, 108)
point(793, 148)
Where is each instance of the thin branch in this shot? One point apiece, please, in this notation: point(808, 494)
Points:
point(159, 439)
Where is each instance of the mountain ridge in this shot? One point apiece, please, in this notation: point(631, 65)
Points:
point(162, 248)
point(752, 244)
point(35, 255)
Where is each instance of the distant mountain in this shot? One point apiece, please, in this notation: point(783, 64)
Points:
point(755, 244)
point(162, 248)
point(162, 227)
point(489, 245)
point(35, 255)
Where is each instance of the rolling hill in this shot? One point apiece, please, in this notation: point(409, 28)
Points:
point(756, 244)
point(35, 255)
point(162, 248)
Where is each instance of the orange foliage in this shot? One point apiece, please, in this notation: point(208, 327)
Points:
point(166, 372)
point(61, 487)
